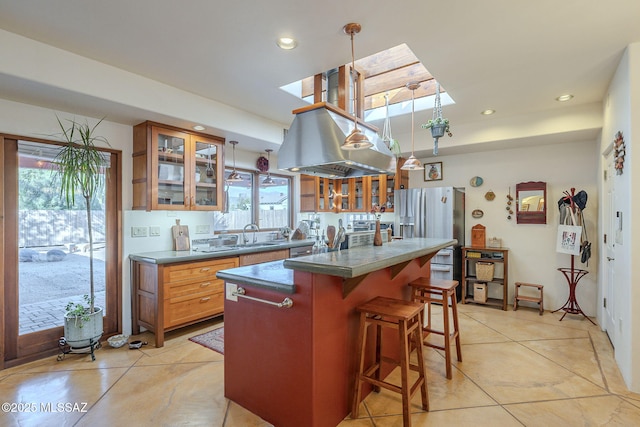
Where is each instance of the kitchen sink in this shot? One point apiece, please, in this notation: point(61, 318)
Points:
point(223, 248)
point(256, 245)
point(216, 249)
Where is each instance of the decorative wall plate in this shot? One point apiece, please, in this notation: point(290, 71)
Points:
point(262, 164)
point(477, 213)
point(476, 181)
point(490, 195)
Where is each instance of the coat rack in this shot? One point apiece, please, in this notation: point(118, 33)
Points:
point(572, 274)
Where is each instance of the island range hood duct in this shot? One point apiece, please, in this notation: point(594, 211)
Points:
point(312, 146)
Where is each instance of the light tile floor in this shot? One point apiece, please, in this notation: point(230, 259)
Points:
point(518, 369)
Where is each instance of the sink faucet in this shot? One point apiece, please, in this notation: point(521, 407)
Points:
point(244, 236)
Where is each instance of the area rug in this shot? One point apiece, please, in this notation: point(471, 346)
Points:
point(213, 340)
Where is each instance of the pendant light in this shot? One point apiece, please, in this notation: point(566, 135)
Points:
point(234, 176)
point(268, 180)
point(356, 140)
point(412, 163)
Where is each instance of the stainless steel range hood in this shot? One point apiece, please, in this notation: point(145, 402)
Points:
point(312, 146)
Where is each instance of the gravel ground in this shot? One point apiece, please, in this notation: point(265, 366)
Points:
point(41, 280)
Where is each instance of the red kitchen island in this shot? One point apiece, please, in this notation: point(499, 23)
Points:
point(294, 365)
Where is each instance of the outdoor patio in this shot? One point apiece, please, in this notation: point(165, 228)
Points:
point(47, 286)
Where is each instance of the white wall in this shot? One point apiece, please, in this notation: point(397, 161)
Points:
point(532, 256)
point(621, 109)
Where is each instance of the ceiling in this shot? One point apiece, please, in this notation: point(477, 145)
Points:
point(512, 56)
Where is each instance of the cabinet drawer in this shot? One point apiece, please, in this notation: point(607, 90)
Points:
point(192, 287)
point(260, 257)
point(198, 270)
point(180, 311)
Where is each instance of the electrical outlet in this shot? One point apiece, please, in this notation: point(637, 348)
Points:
point(154, 230)
point(138, 231)
point(203, 229)
point(231, 288)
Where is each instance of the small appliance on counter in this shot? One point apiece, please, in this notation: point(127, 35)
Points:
point(354, 239)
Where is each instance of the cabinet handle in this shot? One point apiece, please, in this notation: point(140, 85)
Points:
point(205, 299)
point(205, 269)
point(205, 284)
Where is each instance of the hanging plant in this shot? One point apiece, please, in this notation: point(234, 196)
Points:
point(438, 124)
point(392, 144)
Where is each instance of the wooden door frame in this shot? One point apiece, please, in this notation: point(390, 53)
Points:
point(27, 348)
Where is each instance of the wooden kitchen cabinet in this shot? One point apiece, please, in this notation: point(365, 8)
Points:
point(354, 194)
point(175, 169)
point(308, 190)
point(170, 296)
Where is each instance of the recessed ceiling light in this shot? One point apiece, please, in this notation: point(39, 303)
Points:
point(286, 43)
point(199, 127)
point(487, 112)
point(563, 98)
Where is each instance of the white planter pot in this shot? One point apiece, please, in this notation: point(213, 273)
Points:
point(80, 334)
point(437, 131)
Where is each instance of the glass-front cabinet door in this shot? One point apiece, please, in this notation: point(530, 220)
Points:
point(322, 195)
point(359, 196)
point(171, 149)
point(379, 191)
point(344, 190)
point(206, 193)
point(389, 198)
point(188, 171)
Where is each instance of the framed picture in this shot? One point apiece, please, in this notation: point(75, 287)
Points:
point(433, 171)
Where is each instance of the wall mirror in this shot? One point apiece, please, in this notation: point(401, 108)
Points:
point(531, 202)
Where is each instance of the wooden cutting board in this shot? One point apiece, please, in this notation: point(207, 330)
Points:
point(181, 241)
point(331, 235)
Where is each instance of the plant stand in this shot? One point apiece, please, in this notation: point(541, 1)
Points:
point(65, 348)
point(573, 276)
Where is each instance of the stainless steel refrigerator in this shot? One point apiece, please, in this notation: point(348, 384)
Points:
point(434, 212)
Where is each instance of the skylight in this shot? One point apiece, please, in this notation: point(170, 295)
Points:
point(386, 72)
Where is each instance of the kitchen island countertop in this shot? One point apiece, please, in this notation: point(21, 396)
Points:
point(279, 275)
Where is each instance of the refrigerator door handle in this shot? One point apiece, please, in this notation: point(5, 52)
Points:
point(440, 268)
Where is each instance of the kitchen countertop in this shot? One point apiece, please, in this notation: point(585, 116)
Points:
point(168, 257)
point(278, 275)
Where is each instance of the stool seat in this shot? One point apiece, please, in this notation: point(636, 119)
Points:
point(390, 308)
point(537, 299)
point(406, 317)
point(435, 284)
point(427, 291)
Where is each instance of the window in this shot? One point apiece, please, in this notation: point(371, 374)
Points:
point(249, 201)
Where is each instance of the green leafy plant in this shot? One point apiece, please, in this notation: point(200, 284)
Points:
point(79, 311)
point(394, 146)
point(438, 121)
point(80, 167)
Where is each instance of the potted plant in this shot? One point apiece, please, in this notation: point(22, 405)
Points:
point(80, 169)
point(438, 124)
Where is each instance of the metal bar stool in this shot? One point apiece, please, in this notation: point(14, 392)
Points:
point(406, 318)
point(443, 292)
